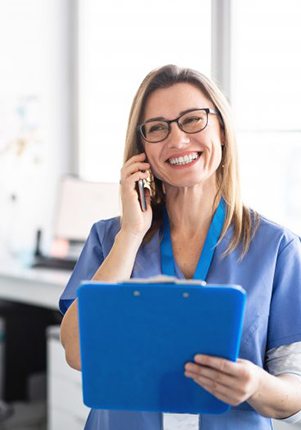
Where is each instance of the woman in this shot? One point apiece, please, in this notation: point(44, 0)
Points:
point(180, 129)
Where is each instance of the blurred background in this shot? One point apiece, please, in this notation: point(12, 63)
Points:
point(68, 72)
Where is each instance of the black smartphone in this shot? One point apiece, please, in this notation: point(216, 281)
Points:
point(141, 194)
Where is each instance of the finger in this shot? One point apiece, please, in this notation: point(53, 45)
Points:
point(130, 181)
point(223, 393)
point(221, 364)
point(128, 170)
point(242, 361)
point(137, 157)
point(194, 371)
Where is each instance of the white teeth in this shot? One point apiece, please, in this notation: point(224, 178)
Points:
point(184, 160)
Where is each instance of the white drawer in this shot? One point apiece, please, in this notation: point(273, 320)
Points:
point(66, 395)
point(61, 420)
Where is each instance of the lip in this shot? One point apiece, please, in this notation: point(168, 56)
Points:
point(183, 166)
point(182, 154)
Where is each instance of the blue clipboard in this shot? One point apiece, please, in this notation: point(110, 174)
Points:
point(136, 338)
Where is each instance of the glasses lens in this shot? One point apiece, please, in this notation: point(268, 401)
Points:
point(154, 131)
point(194, 121)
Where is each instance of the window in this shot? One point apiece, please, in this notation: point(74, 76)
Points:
point(267, 105)
point(119, 43)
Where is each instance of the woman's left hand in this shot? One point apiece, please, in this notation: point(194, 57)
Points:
point(233, 383)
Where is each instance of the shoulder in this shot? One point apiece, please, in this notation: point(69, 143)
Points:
point(106, 229)
point(270, 234)
point(268, 228)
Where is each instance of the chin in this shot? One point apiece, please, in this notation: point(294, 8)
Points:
point(185, 184)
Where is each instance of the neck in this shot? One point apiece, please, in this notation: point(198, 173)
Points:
point(190, 209)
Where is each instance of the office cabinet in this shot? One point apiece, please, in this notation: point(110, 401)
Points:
point(23, 346)
point(64, 397)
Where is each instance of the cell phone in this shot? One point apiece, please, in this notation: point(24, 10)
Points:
point(141, 195)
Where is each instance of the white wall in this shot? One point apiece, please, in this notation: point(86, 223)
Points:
point(119, 43)
point(35, 75)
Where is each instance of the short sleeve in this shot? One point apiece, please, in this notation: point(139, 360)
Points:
point(90, 259)
point(285, 309)
point(284, 359)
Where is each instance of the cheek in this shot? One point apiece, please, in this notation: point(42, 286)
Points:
point(155, 170)
point(153, 158)
point(217, 149)
point(219, 153)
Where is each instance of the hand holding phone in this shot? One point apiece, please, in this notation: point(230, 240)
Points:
point(136, 210)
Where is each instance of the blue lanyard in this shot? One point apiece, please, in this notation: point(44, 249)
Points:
point(213, 235)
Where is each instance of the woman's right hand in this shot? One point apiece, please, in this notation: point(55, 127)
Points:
point(134, 220)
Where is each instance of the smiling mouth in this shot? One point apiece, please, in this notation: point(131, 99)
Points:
point(186, 159)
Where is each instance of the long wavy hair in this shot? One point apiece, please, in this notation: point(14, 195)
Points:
point(243, 221)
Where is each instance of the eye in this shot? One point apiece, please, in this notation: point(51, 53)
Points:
point(157, 127)
point(191, 120)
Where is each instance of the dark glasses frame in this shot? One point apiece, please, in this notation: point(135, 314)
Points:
point(169, 122)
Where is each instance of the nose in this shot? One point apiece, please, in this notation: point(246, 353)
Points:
point(177, 138)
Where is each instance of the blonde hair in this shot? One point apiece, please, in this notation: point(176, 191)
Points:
point(243, 221)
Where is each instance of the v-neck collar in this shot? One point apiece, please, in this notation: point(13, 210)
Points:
point(168, 264)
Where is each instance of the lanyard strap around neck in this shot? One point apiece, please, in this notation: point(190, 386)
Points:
point(213, 235)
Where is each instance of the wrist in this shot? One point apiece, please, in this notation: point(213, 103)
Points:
point(268, 398)
point(129, 238)
point(260, 375)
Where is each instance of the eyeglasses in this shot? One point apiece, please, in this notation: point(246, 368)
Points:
point(192, 121)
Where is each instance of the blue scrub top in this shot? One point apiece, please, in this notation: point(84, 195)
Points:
point(271, 275)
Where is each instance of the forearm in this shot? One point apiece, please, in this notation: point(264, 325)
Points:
point(277, 396)
point(70, 336)
point(119, 263)
point(117, 266)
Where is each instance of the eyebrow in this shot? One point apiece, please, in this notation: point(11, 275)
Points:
point(162, 118)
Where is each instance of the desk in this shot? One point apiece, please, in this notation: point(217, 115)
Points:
point(39, 287)
point(28, 305)
point(42, 288)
